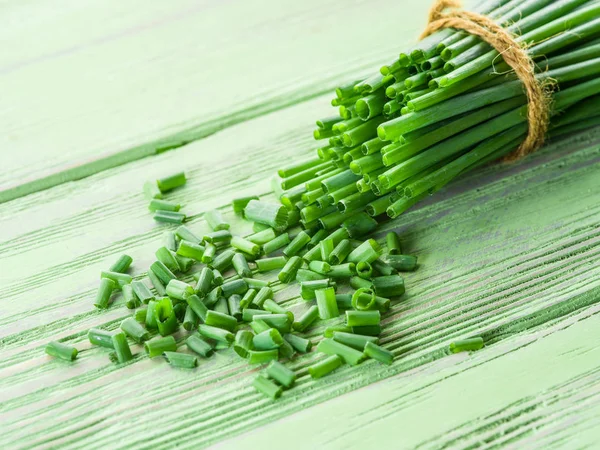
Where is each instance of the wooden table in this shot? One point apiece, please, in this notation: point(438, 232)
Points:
point(94, 93)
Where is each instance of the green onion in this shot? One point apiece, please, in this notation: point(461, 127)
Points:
point(346, 270)
point(307, 275)
point(326, 246)
point(267, 387)
point(356, 341)
point(245, 245)
point(104, 292)
point(217, 278)
point(344, 301)
point(221, 306)
point(140, 315)
point(297, 244)
point(190, 320)
point(217, 237)
point(121, 347)
point(364, 300)
point(368, 251)
point(234, 306)
point(166, 321)
point(162, 272)
point(281, 374)
point(169, 216)
point(215, 220)
point(261, 357)
point(218, 334)
point(122, 264)
point(340, 252)
point(181, 360)
point(163, 205)
point(362, 318)
point(223, 261)
point(179, 290)
point(239, 204)
point(379, 353)
point(197, 306)
point(286, 350)
point(170, 240)
point(367, 330)
point(267, 340)
point(204, 283)
point(159, 345)
point(280, 321)
point(248, 298)
point(164, 255)
point(298, 343)
point(220, 320)
point(326, 303)
point(272, 306)
point(209, 254)
point(234, 287)
point(199, 345)
point(189, 249)
point(101, 338)
point(171, 182)
point(325, 366)
point(308, 288)
point(360, 283)
point(388, 286)
point(319, 267)
point(393, 243)
point(131, 301)
point(243, 343)
point(268, 264)
point(258, 326)
point(60, 350)
point(134, 330)
point(364, 270)
point(262, 237)
point(151, 190)
point(276, 216)
point(185, 234)
point(329, 331)
point(466, 345)
point(151, 314)
point(240, 265)
point(288, 273)
point(249, 313)
point(348, 354)
point(306, 319)
point(275, 244)
point(141, 291)
point(402, 263)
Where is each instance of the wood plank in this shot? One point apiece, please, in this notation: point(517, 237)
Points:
point(109, 84)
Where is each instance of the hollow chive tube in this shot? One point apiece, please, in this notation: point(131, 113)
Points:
point(169, 216)
point(362, 318)
point(368, 251)
point(280, 321)
point(222, 261)
point(217, 278)
point(245, 245)
point(190, 320)
point(388, 286)
point(262, 356)
point(163, 205)
point(120, 279)
point(209, 254)
point(131, 300)
point(185, 264)
point(364, 270)
point(140, 315)
point(329, 331)
point(162, 272)
point(286, 350)
point(217, 237)
point(325, 366)
point(60, 350)
point(171, 182)
point(317, 238)
point(275, 244)
point(275, 308)
point(254, 283)
point(372, 350)
point(239, 204)
point(218, 334)
point(100, 337)
point(326, 303)
point(346, 270)
point(359, 283)
point(185, 234)
point(121, 265)
point(205, 279)
point(238, 286)
point(262, 296)
point(197, 306)
point(281, 374)
point(258, 227)
point(215, 220)
point(267, 340)
point(367, 330)
point(340, 252)
point(159, 345)
point(221, 306)
point(356, 341)
point(240, 265)
point(179, 290)
point(402, 263)
point(220, 320)
point(319, 267)
point(258, 326)
point(262, 237)
point(166, 321)
point(189, 249)
point(297, 244)
point(248, 298)
point(151, 190)
point(344, 301)
point(141, 291)
point(308, 288)
point(274, 215)
point(360, 224)
point(249, 313)
point(243, 343)
point(313, 254)
point(179, 310)
point(198, 345)
point(348, 354)
point(364, 300)
point(308, 275)
point(268, 264)
point(235, 310)
point(306, 319)
point(288, 273)
point(382, 268)
point(121, 347)
point(181, 360)
point(267, 387)
point(393, 243)
point(134, 330)
point(466, 345)
point(298, 343)
point(170, 240)
point(104, 292)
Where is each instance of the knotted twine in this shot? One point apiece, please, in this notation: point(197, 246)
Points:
point(447, 14)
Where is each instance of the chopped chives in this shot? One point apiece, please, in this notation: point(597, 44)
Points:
point(297, 244)
point(196, 344)
point(348, 354)
point(245, 245)
point(267, 340)
point(151, 314)
point(368, 251)
point(171, 182)
point(223, 261)
point(170, 240)
point(248, 298)
point(382, 268)
point(189, 249)
point(262, 296)
point(169, 216)
point(254, 283)
point(204, 283)
point(218, 334)
point(243, 343)
point(402, 263)
point(308, 275)
point(185, 234)
point(274, 307)
point(134, 330)
point(344, 301)
point(362, 318)
point(101, 338)
point(364, 300)
point(179, 290)
point(326, 303)
point(298, 343)
point(216, 237)
point(356, 341)
point(209, 254)
point(162, 272)
point(275, 244)
point(181, 360)
point(238, 286)
point(466, 345)
point(257, 227)
point(121, 347)
point(388, 286)
point(329, 331)
point(163, 205)
point(286, 350)
point(190, 320)
point(140, 315)
point(159, 345)
point(222, 306)
point(372, 350)
point(220, 320)
point(60, 350)
point(268, 264)
point(326, 246)
point(233, 304)
point(261, 357)
point(179, 310)
point(262, 237)
point(141, 291)
point(367, 330)
point(340, 252)
point(360, 283)
point(319, 267)
point(306, 319)
point(240, 265)
point(267, 387)
point(346, 270)
point(197, 306)
point(361, 223)
point(288, 273)
point(217, 278)
point(122, 264)
point(280, 321)
point(151, 190)
point(325, 366)
point(364, 269)
point(258, 326)
point(215, 220)
point(239, 204)
point(249, 313)
point(393, 243)
point(281, 374)
point(166, 321)
point(308, 288)
point(185, 264)
point(276, 216)
point(131, 300)
point(104, 292)
point(120, 279)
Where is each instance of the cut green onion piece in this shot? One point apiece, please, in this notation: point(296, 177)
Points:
point(383, 268)
point(217, 278)
point(60, 350)
point(367, 330)
point(209, 253)
point(215, 220)
point(185, 234)
point(166, 321)
point(222, 306)
point(379, 353)
point(100, 337)
point(273, 307)
point(319, 267)
point(362, 318)
point(360, 283)
point(190, 320)
point(368, 251)
point(308, 288)
point(104, 292)
point(243, 343)
point(356, 341)
point(189, 249)
point(360, 224)
point(306, 319)
point(140, 315)
point(131, 300)
point(262, 237)
point(325, 366)
point(308, 275)
point(466, 345)
point(245, 245)
point(179, 290)
point(197, 306)
point(159, 345)
point(364, 269)
point(141, 291)
point(402, 263)
point(267, 340)
point(169, 216)
point(258, 326)
point(346, 270)
point(220, 320)
point(329, 331)
point(151, 314)
point(151, 190)
point(171, 182)
point(217, 237)
point(267, 387)
point(199, 345)
point(122, 264)
point(268, 264)
point(348, 354)
point(300, 344)
point(218, 334)
point(364, 300)
point(388, 286)
point(340, 252)
point(286, 350)
point(261, 357)
point(179, 309)
point(121, 347)
point(281, 374)
point(276, 216)
point(239, 204)
point(326, 303)
point(181, 360)
point(223, 261)
point(120, 279)
point(275, 244)
point(170, 240)
point(288, 273)
point(344, 301)
point(249, 313)
point(235, 310)
point(248, 298)
point(162, 272)
point(134, 330)
point(257, 227)
point(317, 238)
point(326, 246)
point(204, 283)
point(163, 205)
point(240, 265)
point(393, 243)
point(297, 244)
point(280, 321)
point(234, 287)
